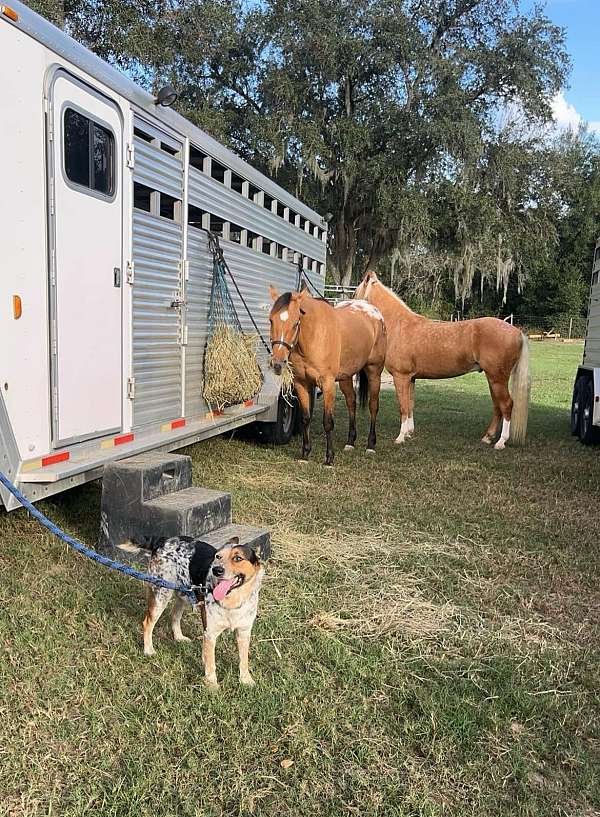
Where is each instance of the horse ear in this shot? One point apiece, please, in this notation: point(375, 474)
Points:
point(371, 275)
point(274, 293)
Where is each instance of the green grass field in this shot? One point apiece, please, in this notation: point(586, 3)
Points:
point(428, 641)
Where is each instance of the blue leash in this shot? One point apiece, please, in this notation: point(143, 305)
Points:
point(93, 554)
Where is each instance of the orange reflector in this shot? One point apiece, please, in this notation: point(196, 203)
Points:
point(17, 307)
point(10, 13)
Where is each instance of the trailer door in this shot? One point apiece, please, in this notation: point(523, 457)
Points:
point(85, 191)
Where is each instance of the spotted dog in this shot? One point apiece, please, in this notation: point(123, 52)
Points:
point(226, 581)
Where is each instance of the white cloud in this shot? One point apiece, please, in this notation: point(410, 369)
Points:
point(565, 115)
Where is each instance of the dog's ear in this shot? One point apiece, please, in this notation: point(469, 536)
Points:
point(235, 540)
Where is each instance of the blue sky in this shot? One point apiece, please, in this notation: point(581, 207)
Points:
point(581, 20)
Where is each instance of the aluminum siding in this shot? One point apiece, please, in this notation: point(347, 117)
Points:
point(157, 248)
point(157, 169)
point(213, 197)
point(197, 295)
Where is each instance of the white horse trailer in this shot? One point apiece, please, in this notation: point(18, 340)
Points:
point(106, 269)
point(585, 407)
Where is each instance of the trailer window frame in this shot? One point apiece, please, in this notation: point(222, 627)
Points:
point(113, 169)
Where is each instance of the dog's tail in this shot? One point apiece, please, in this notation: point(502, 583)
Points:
point(520, 388)
point(363, 388)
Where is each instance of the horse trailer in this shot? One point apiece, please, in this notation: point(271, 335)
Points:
point(585, 407)
point(107, 200)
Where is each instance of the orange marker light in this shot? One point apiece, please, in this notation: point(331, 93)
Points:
point(17, 307)
point(10, 13)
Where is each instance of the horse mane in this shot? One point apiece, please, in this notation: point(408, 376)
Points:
point(283, 301)
point(392, 294)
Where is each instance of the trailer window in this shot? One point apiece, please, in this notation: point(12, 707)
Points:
point(195, 216)
point(237, 183)
point(89, 153)
point(141, 197)
point(235, 233)
point(197, 158)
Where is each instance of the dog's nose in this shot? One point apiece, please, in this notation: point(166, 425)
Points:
point(277, 367)
point(218, 570)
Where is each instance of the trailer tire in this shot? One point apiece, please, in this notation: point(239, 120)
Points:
point(576, 406)
point(281, 431)
point(588, 433)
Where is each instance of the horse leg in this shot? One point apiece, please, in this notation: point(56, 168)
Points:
point(504, 402)
point(410, 423)
point(402, 384)
point(374, 376)
point(328, 389)
point(491, 431)
point(303, 393)
point(347, 387)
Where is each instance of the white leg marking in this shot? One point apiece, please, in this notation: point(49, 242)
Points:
point(410, 426)
point(348, 448)
point(504, 436)
point(403, 432)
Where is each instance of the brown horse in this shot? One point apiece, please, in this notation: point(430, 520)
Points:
point(323, 345)
point(419, 347)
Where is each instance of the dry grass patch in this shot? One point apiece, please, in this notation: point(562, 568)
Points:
point(395, 605)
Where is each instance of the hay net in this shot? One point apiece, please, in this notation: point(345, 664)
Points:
point(231, 370)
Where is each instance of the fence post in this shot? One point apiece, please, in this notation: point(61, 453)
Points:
point(570, 327)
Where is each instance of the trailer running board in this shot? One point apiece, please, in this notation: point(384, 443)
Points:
point(88, 459)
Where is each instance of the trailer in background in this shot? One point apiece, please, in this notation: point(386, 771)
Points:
point(585, 406)
point(106, 269)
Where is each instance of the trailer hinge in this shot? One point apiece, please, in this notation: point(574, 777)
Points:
point(184, 336)
point(53, 267)
point(130, 272)
point(51, 197)
point(131, 156)
point(130, 388)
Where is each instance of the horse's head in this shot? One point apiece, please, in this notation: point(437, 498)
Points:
point(364, 288)
point(285, 325)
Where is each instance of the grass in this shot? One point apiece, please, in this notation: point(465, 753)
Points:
point(427, 644)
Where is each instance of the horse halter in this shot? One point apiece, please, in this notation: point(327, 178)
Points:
point(289, 346)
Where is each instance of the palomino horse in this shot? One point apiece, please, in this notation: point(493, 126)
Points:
point(323, 345)
point(419, 347)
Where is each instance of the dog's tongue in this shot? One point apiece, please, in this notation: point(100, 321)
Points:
point(221, 589)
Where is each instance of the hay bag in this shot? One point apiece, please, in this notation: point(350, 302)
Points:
point(231, 370)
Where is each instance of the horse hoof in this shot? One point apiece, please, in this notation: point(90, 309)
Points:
point(348, 448)
point(370, 450)
point(487, 440)
point(399, 439)
point(500, 445)
point(328, 464)
point(303, 461)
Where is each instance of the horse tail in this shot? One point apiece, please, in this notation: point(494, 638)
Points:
point(363, 388)
point(520, 388)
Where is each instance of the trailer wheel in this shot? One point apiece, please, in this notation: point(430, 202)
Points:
point(588, 433)
point(280, 432)
point(576, 406)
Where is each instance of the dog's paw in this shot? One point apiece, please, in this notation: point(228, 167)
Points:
point(149, 652)
point(181, 638)
point(247, 680)
point(211, 683)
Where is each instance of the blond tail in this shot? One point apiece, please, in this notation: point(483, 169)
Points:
point(520, 386)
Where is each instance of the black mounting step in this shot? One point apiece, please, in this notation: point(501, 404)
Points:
point(151, 495)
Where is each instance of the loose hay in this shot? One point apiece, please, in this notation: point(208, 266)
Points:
point(231, 370)
point(287, 383)
point(395, 607)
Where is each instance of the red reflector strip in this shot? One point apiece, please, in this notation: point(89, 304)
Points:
point(248, 403)
point(54, 458)
point(126, 438)
point(217, 412)
point(178, 423)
